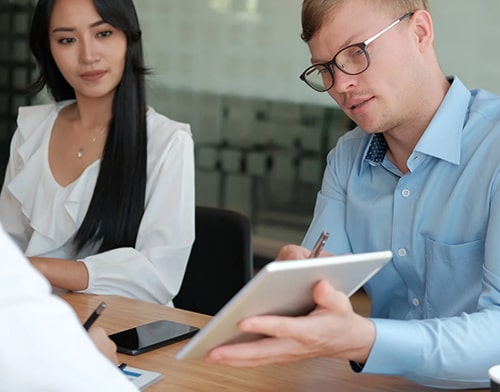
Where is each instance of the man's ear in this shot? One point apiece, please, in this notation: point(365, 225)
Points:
point(423, 29)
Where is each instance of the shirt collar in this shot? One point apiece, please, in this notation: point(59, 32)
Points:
point(442, 138)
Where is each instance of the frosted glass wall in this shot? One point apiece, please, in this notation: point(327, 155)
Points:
point(252, 47)
point(230, 68)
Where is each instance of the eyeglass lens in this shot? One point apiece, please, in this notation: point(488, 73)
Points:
point(352, 60)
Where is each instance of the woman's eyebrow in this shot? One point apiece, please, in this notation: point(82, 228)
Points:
point(66, 29)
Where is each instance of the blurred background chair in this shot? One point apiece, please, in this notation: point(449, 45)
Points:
point(220, 263)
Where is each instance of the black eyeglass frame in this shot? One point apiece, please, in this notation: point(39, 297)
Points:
point(361, 45)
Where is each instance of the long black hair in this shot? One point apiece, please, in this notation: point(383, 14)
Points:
point(115, 211)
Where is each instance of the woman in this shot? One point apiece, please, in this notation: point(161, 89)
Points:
point(99, 189)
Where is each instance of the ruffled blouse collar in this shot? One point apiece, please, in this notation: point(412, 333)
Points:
point(53, 212)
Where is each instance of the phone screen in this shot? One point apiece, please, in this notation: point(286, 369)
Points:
point(149, 336)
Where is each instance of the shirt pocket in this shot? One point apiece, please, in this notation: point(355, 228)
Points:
point(453, 275)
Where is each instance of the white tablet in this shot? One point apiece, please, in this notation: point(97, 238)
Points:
point(283, 288)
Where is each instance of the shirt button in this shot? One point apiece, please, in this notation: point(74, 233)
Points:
point(402, 252)
point(405, 192)
point(415, 302)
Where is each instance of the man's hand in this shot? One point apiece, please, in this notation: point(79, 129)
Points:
point(295, 252)
point(332, 329)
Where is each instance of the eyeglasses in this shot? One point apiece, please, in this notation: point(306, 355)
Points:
point(352, 60)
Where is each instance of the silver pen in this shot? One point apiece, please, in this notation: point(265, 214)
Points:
point(320, 244)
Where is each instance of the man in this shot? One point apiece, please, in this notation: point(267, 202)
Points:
point(418, 176)
point(44, 345)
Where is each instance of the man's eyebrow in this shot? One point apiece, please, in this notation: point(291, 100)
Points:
point(315, 61)
point(347, 42)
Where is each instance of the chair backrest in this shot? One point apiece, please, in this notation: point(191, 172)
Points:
point(220, 263)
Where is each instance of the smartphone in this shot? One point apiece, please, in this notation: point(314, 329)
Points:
point(149, 336)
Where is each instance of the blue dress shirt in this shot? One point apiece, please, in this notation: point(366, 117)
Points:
point(436, 305)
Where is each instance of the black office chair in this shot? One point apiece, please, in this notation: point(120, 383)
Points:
point(220, 262)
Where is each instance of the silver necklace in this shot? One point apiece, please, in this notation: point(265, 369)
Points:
point(79, 153)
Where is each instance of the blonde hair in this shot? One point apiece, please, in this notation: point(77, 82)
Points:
point(314, 12)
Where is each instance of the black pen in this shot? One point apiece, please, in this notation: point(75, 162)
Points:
point(318, 247)
point(95, 314)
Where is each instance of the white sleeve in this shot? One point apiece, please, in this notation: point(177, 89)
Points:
point(44, 345)
point(10, 213)
point(153, 270)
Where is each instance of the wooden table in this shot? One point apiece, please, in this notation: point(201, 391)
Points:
point(314, 375)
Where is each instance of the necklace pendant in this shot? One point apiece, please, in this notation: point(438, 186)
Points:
point(79, 154)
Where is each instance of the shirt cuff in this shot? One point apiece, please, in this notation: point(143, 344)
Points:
point(397, 349)
point(356, 366)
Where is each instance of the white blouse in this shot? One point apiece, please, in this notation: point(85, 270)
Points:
point(44, 347)
point(43, 217)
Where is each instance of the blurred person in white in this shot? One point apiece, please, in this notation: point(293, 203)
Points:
point(44, 346)
point(420, 176)
point(99, 188)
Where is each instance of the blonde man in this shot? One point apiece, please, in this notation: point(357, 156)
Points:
point(419, 175)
